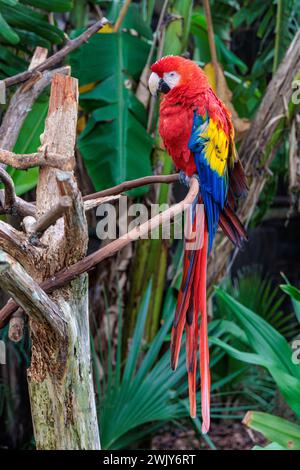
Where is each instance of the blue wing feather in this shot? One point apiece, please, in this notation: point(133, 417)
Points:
point(213, 187)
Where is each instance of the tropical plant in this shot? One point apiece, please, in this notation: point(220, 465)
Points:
point(114, 144)
point(294, 294)
point(270, 349)
point(259, 294)
point(284, 434)
point(24, 25)
point(137, 395)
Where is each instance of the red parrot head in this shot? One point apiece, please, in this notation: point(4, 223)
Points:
point(174, 73)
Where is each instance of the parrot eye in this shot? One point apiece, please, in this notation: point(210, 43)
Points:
point(171, 78)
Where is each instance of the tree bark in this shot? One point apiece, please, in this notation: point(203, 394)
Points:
point(60, 375)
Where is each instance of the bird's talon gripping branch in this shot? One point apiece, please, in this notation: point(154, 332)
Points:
point(184, 179)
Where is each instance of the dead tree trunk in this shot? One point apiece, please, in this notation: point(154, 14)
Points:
point(60, 377)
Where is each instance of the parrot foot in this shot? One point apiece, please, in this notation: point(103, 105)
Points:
point(184, 179)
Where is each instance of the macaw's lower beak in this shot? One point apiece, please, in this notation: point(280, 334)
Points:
point(157, 84)
point(163, 86)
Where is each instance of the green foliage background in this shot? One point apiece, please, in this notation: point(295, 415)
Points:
point(249, 336)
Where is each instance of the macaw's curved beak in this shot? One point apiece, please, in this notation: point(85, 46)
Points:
point(157, 84)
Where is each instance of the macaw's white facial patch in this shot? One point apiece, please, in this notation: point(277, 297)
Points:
point(171, 79)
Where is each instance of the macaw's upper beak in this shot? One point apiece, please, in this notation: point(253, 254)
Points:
point(157, 84)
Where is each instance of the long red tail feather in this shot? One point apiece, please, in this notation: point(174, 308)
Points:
point(191, 306)
point(204, 350)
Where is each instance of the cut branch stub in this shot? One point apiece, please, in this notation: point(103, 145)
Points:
point(37, 229)
point(58, 138)
point(15, 280)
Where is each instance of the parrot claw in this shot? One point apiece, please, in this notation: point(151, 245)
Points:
point(184, 179)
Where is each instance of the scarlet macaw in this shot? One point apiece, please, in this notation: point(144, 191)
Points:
point(197, 132)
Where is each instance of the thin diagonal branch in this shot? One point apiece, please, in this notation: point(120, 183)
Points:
point(21, 207)
point(127, 185)
point(66, 275)
point(25, 208)
point(37, 159)
point(49, 218)
point(121, 16)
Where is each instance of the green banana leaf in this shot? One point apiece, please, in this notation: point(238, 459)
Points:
point(132, 20)
point(115, 145)
point(282, 432)
point(271, 446)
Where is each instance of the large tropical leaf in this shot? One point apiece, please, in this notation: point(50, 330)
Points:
point(276, 429)
point(115, 145)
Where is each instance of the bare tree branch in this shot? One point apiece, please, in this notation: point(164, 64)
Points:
point(56, 58)
point(37, 229)
point(90, 204)
point(15, 280)
point(127, 185)
point(40, 159)
point(65, 276)
point(91, 201)
point(21, 103)
point(22, 208)
point(16, 244)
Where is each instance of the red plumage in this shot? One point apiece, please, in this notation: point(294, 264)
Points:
point(192, 94)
